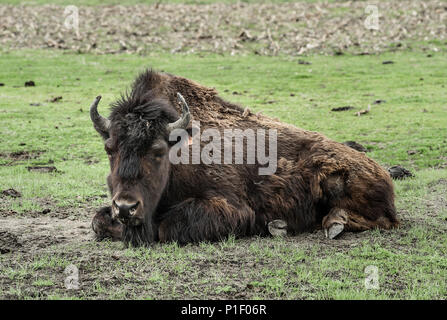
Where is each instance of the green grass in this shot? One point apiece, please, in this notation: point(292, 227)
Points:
point(133, 2)
point(62, 131)
point(411, 261)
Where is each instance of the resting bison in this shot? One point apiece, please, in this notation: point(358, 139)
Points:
point(317, 182)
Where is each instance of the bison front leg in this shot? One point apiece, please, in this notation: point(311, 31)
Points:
point(213, 219)
point(334, 223)
point(105, 227)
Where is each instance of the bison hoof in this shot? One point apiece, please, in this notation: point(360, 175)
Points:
point(278, 228)
point(334, 230)
point(104, 226)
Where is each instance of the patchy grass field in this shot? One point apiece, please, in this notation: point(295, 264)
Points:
point(48, 227)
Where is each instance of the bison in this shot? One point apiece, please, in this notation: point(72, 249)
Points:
point(318, 183)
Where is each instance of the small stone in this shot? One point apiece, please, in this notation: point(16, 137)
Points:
point(356, 146)
point(398, 172)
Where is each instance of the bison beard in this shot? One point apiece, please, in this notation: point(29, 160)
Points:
point(141, 235)
point(319, 183)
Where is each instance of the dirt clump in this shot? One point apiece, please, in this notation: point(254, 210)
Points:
point(8, 242)
point(11, 193)
point(44, 169)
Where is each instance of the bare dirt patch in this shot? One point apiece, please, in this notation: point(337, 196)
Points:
point(8, 242)
point(49, 208)
point(27, 233)
point(265, 29)
point(15, 157)
point(11, 193)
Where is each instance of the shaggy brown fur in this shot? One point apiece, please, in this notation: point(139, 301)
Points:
point(318, 182)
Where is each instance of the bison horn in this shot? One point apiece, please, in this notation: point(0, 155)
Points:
point(101, 124)
point(183, 121)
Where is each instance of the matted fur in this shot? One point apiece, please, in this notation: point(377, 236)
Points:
point(208, 202)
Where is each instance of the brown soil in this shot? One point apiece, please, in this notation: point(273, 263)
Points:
point(28, 234)
point(28, 237)
point(12, 158)
point(265, 29)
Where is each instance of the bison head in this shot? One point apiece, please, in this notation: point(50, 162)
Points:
point(136, 139)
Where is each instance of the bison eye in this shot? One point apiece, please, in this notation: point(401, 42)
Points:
point(159, 149)
point(158, 156)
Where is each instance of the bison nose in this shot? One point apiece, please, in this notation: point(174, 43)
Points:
point(125, 209)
